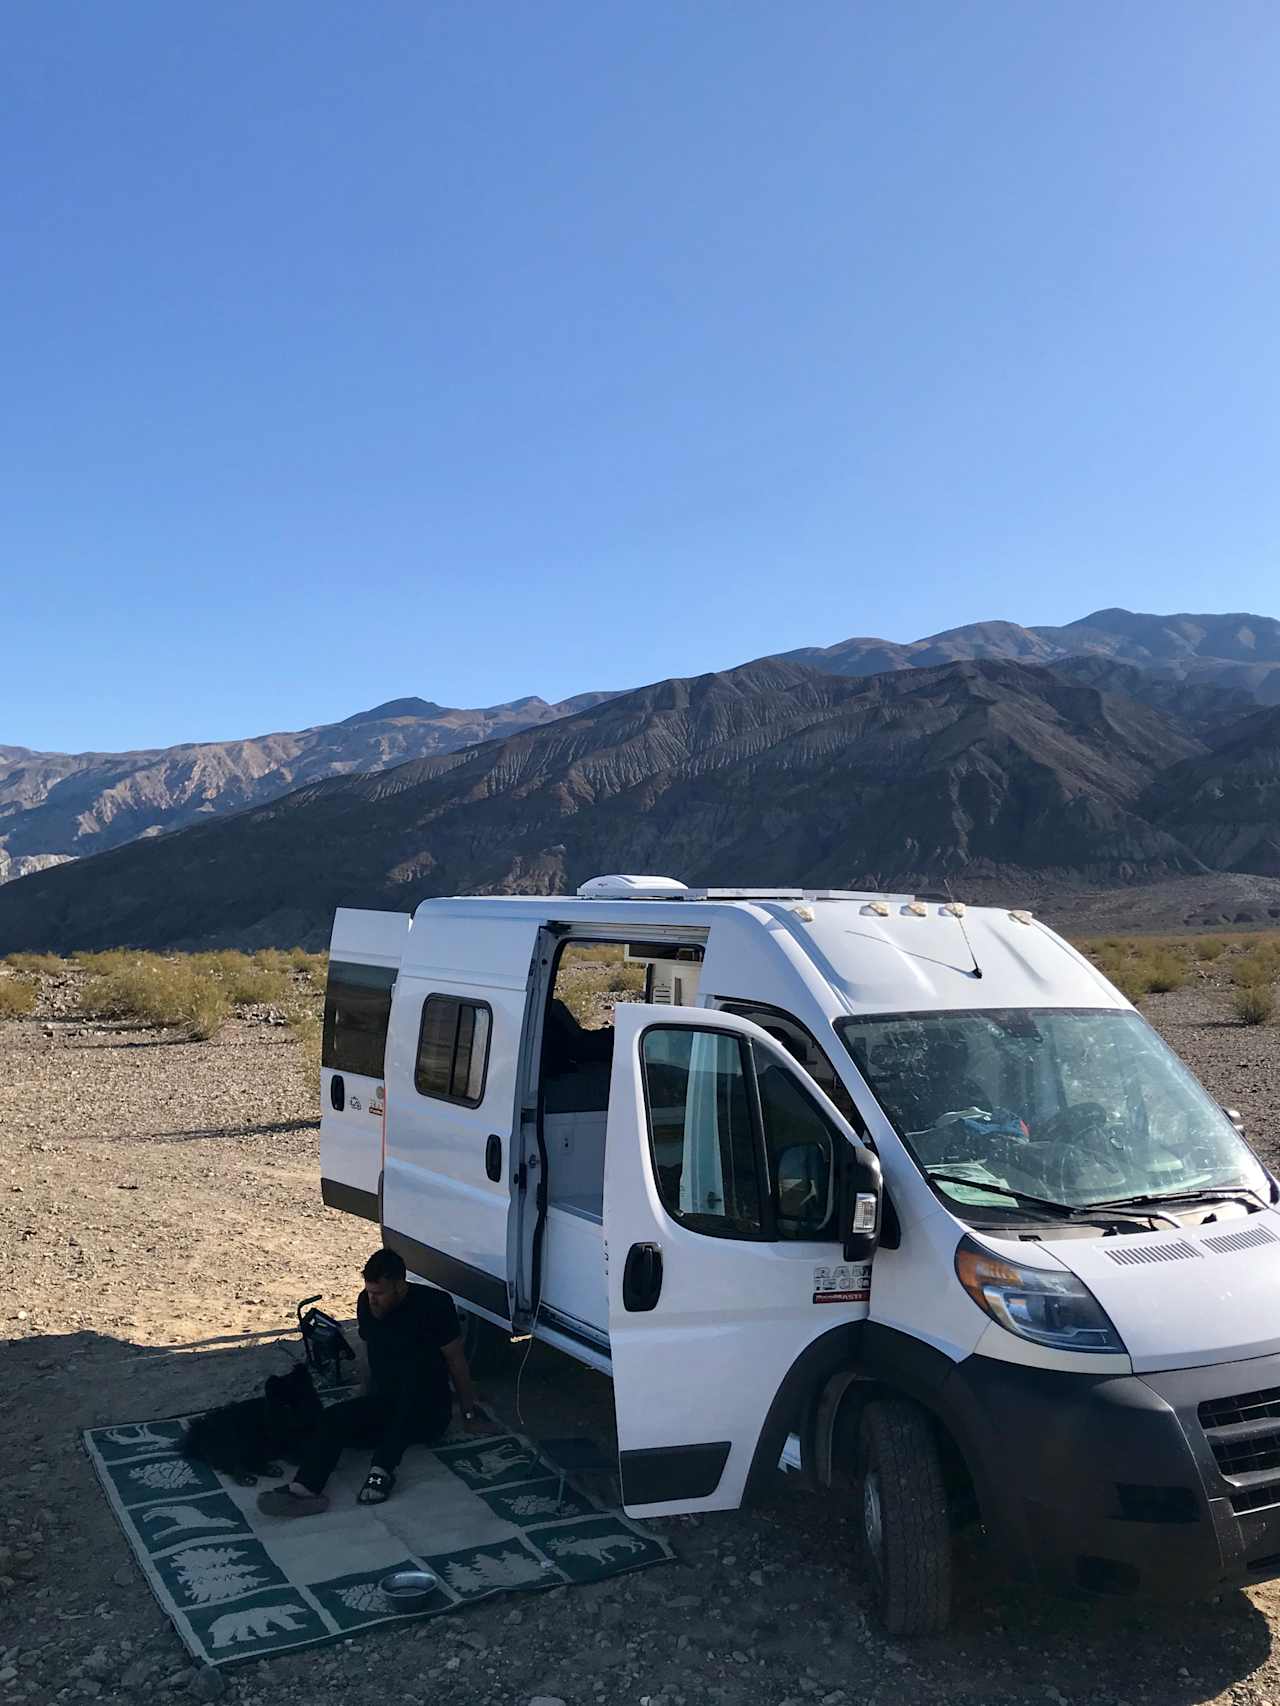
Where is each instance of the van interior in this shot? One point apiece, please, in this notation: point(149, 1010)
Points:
point(577, 1053)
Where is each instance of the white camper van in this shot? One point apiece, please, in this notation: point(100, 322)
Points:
point(903, 1192)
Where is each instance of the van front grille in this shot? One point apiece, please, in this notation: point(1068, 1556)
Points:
point(1243, 1432)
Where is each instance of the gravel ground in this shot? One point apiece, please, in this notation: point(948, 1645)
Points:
point(159, 1216)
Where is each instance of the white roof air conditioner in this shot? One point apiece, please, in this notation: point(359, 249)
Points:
point(631, 888)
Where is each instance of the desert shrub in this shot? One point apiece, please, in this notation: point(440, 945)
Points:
point(37, 965)
point(256, 985)
point(307, 1026)
point(220, 962)
point(17, 997)
point(108, 960)
point(162, 992)
point(272, 959)
point(1210, 948)
point(1132, 977)
point(1165, 971)
point(1253, 970)
point(202, 1008)
point(1254, 1006)
point(590, 989)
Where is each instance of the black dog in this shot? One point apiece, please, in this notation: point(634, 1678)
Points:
point(244, 1439)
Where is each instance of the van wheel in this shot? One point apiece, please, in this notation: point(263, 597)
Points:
point(484, 1344)
point(905, 1532)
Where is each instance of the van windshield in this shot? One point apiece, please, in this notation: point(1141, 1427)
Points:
point(1077, 1107)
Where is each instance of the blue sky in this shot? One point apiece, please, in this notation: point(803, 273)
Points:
point(494, 347)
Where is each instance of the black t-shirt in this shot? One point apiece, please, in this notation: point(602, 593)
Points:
point(404, 1346)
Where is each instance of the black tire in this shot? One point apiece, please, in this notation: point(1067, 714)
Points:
point(484, 1344)
point(903, 1509)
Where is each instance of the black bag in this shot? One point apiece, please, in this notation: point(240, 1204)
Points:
point(324, 1342)
point(245, 1438)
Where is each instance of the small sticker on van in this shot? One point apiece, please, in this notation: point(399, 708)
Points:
point(843, 1282)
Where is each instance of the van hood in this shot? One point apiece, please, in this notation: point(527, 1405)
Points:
point(1186, 1299)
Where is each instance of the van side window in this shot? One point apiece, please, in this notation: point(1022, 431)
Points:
point(357, 1006)
point(453, 1050)
point(740, 1148)
point(704, 1143)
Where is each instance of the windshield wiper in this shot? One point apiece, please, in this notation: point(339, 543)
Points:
point(1064, 1210)
point(1211, 1193)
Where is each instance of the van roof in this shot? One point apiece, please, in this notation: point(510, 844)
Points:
point(877, 953)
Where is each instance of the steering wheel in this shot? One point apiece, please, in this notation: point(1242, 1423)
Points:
point(1076, 1124)
point(1081, 1127)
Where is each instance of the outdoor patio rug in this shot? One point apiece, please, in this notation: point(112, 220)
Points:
point(485, 1515)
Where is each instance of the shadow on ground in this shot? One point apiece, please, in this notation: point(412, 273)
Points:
point(763, 1606)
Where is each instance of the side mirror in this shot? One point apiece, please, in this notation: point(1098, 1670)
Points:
point(1236, 1118)
point(861, 1199)
point(803, 1174)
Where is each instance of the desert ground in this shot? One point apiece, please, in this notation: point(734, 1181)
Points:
point(160, 1216)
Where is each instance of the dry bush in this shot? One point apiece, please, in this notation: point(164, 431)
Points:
point(1165, 971)
point(1210, 948)
point(219, 962)
point(1254, 1006)
point(256, 985)
point(161, 992)
point(1132, 977)
point(591, 988)
point(315, 969)
point(1254, 971)
point(272, 959)
point(17, 997)
point(37, 965)
point(108, 960)
point(307, 1027)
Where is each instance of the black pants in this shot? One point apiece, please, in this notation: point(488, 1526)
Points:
point(387, 1428)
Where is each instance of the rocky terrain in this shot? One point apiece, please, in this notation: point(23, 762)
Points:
point(1010, 781)
point(159, 1216)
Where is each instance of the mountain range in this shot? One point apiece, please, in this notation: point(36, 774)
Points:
point(1011, 780)
point(56, 806)
point(59, 806)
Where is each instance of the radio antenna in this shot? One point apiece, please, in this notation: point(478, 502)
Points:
point(956, 909)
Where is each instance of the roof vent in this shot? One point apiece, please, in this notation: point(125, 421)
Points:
point(631, 888)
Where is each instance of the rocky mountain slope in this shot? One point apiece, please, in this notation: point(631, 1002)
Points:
point(1237, 651)
point(56, 806)
point(1007, 779)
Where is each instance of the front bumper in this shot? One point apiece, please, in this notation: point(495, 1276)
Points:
point(1129, 1484)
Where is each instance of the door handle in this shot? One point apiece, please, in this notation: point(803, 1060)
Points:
point(493, 1157)
point(337, 1093)
point(642, 1278)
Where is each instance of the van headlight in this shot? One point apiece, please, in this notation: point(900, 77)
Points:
point(1047, 1305)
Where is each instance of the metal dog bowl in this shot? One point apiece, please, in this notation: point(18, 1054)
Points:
point(409, 1590)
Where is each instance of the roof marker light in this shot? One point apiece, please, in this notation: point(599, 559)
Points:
point(803, 913)
point(1021, 917)
point(877, 907)
point(916, 909)
point(955, 908)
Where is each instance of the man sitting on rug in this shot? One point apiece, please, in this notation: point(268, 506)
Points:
point(415, 1349)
